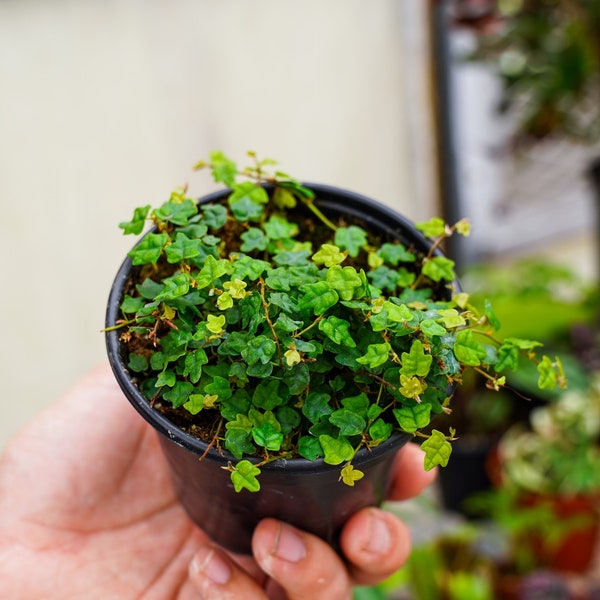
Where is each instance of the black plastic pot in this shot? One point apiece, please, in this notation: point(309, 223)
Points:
point(304, 493)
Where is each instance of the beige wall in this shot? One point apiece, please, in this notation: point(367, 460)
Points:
point(106, 105)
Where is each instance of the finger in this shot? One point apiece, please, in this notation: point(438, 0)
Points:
point(214, 574)
point(409, 477)
point(376, 543)
point(302, 564)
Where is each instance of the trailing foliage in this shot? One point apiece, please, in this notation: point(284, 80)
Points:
point(295, 340)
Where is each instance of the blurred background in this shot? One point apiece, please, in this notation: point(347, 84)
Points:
point(481, 108)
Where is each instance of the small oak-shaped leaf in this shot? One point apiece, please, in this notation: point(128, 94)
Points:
point(175, 286)
point(266, 436)
point(376, 355)
point(177, 213)
point(412, 387)
point(412, 418)
point(149, 249)
point(437, 450)
point(416, 361)
point(351, 238)
point(195, 403)
point(178, 395)
point(467, 349)
point(344, 281)
point(137, 222)
point(309, 447)
point(182, 248)
point(395, 253)
point(318, 297)
point(316, 405)
point(337, 330)
point(438, 268)
point(194, 360)
point(349, 422)
point(211, 271)
point(350, 475)
point(432, 228)
point(328, 255)
point(547, 374)
point(244, 476)
point(336, 450)
point(380, 431)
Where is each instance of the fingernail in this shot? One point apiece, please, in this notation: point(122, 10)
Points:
point(213, 566)
point(379, 540)
point(288, 545)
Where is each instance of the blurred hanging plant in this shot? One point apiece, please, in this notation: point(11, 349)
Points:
point(548, 55)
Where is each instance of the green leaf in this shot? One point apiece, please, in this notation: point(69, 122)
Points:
point(351, 238)
point(348, 422)
point(491, 315)
point(166, 378)
point(131, 305)
point(384, 278)
point(309, 447)
point(238, 443)
point(336, 450)
point(249, 268)
point(214, 215)
point(431, 328)
point(413, 417)
point(175, 286)
point(149, 249)
point(395, 254)
point(266, 395)
point(318, 297)
point(438, 268)
point(247, 200)
point(177, 213)
point(328, 255)
point(244, 476)
point(432, 228)
point(259, 349)
point(182, 248)
point(507, 358)
point(350, 475)
point(211, 271)
point(467, 349)
point(223, 169)
point(278, 228)
point(266, 436)
point(380, 431)
point(194, 360)
point(437, 450)
point(416, 361)
point(136, 225)
point(344, 281)
point(195, 403)
point(254, 239)
point(316, 406)
point(137, 363)
point(220, 387)
point(376, 355)
point(337, 330)
point(547, 374)
point(178, 395)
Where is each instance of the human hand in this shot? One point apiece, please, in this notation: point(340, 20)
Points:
point(87, 510)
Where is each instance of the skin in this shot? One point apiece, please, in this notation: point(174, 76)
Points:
point(87, 511)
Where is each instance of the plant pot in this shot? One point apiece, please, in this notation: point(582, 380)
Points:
point(304, 493)
point(576, 550)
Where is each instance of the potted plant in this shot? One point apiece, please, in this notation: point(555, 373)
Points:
point(532, 298)
point(556, 463)
point(282, 337)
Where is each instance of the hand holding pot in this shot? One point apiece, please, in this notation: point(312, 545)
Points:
point(87, 510)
